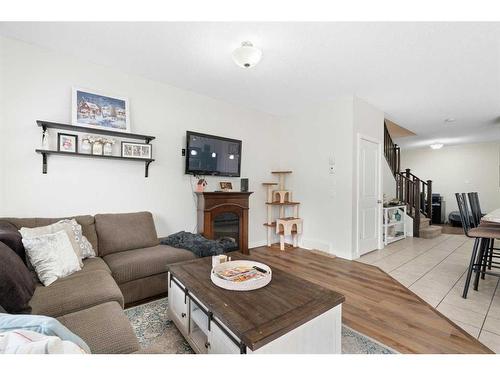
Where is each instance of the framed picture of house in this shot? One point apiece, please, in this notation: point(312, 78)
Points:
point(96, 110)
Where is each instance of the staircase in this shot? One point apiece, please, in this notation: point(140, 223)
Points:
point(427, 230)
point(412, 191)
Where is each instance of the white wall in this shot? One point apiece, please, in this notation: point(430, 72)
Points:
point(314, 136)
point(388, 181)
point(329, 202)
point(39, 85)
point(457, 169)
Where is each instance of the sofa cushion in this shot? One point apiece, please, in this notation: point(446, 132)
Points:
point(104, 328)
point(145, 288)
point(135, 264)
point(16, 282)
point(121, 232)
point(10, 236)
point(76, 292)
point(91, 265)
point(94, 264)
point(86, 221)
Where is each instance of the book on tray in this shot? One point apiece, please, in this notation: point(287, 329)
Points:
point(240, 274)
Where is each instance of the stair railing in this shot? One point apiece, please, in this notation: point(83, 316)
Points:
point(408, 192)
point(412, 191)
point(392, 152)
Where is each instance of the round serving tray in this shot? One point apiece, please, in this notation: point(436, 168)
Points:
point(244, 285)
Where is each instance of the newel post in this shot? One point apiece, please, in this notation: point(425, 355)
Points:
point(416, 219)
point(429, 200)
point(409, 193)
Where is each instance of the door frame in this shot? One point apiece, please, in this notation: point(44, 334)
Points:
point(360, 137)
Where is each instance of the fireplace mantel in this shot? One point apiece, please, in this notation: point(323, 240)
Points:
point(213, 204)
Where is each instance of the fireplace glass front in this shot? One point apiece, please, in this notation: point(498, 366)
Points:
point(226, 226)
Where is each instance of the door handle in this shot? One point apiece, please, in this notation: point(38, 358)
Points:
point(379, 201)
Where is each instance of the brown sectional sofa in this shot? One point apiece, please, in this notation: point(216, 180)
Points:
point(130, 266)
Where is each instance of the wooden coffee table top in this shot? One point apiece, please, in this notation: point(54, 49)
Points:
point(260, 316)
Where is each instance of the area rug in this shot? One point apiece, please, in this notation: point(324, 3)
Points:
point(155, 331)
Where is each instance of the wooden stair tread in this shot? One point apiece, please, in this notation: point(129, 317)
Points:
point(281, 172)
point(283, 204)
point(269, 183)
point(431, 228)
point(429, 232)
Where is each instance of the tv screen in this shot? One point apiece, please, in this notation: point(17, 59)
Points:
point(211, 155)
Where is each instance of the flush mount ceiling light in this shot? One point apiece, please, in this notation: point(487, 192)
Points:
point(436, 146)
point(449, 120)
point(247, 56)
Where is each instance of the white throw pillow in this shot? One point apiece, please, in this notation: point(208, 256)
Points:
point(52, 256)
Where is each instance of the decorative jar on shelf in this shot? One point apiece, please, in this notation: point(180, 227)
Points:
point(86, 147)
point(97, 148)
point(108, 148)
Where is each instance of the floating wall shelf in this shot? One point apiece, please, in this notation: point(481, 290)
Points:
point(53, 125)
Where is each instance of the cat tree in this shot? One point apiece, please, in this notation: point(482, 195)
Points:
point(283, 225)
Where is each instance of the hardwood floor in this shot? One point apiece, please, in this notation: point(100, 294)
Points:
point(376, 304)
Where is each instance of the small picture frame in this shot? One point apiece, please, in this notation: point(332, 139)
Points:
point(226, 186)
point(137, 150)
point(67, 143)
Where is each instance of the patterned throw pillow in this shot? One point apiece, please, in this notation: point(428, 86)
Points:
point(52, 256)
point(28, 233)
point(81, 245)
point(85, 246)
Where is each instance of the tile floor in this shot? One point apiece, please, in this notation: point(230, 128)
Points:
point(435, 269)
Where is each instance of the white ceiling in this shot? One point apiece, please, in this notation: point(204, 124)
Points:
point(417, 73)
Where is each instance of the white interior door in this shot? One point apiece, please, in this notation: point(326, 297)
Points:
point(369, 203)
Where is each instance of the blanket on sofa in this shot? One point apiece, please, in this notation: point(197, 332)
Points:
point(198, 244)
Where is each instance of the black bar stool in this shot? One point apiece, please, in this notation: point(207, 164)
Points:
point(482, 236)
point(492, 251)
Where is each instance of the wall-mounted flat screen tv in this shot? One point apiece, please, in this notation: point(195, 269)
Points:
point(211, 155)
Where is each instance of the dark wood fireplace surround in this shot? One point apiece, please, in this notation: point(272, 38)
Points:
point(212, 204)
